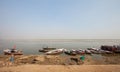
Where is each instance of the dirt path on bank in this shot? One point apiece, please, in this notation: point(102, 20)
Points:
point(61, 68)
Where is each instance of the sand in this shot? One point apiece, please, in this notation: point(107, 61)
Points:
point(57, 63)
point(62, 60)
point(61, 68)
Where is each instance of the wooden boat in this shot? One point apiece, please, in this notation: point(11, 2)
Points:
point(118, 49)
point(80, 52)
point(46, 49)
point(108, 52)
point(94, 49)
point(114, 48)
point(12, 51)
point(88, 52)
point(105, 52)
point(55, 52)
point(72, 52)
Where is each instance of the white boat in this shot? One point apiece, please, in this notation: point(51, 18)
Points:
point(95, 49)
point(55, 52)
point(88, 52)
point(12, 51)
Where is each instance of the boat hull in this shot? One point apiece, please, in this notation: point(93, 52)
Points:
point(55, 53)
point(72, 54)
point(6, 53)
point(46, 49)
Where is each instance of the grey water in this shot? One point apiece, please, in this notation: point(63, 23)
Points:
point(30, 47)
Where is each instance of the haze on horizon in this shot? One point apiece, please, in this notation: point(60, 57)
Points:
point(59, 19)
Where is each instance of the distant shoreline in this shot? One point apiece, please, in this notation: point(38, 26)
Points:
point(57, 40)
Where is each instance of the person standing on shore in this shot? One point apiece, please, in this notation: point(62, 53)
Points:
point(12, 59)
point(82, 58)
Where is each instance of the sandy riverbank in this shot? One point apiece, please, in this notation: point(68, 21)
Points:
point(60, 63)
point(61, 68)
point(62, 60)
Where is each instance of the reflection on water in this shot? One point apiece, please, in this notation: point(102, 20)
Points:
point(32, 46)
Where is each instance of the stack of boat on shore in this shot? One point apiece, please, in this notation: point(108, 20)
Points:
point(104, 49)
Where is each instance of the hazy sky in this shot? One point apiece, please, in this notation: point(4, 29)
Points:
point(59, 19)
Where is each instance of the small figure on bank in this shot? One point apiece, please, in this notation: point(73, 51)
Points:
point(82, 58)
point(12, 59)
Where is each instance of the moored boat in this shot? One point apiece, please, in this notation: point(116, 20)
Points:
point(88, 52)
point(46, 49)
point(94, 49)
point(55, 52)
point(114, 48)
point(80, 52)
point(71, 52)
point(12, 51)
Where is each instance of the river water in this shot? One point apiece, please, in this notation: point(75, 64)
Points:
point(32, 46)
